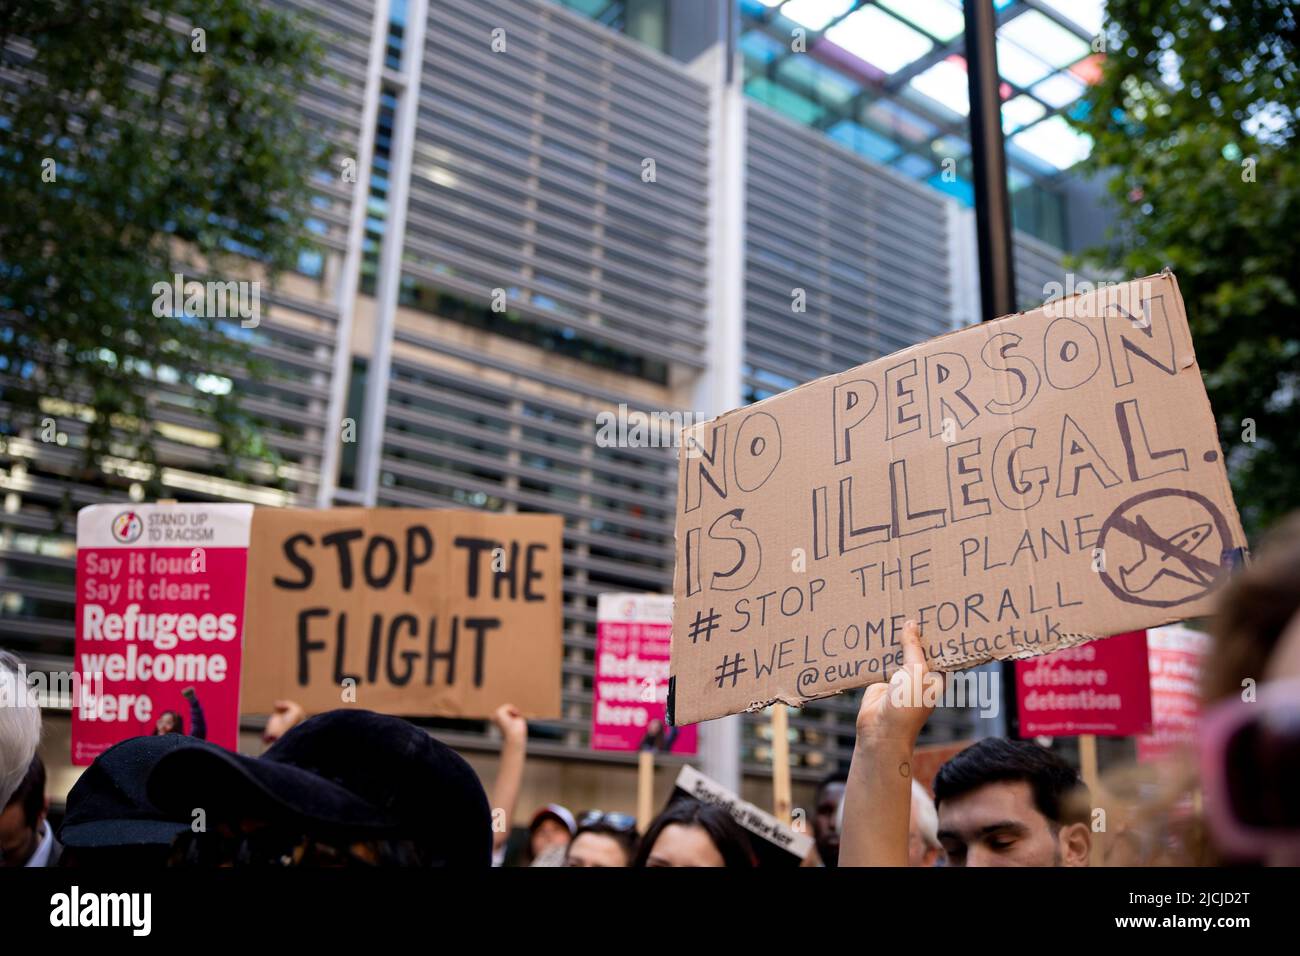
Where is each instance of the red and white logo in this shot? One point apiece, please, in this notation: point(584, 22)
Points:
point(127, 527)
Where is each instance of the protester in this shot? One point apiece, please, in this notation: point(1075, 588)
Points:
point(691, 833)
point(552, 827)
point(1250, 735)
point(343, 788)
point(826, 818)
point(602, 840)
point(923, 846)
point(1011, 803)
point(1249, 757)
point(109, 821)
point(26, 837)
point(20, 725)
point(549, 834)
point(170, 722)
point(510, 776)
point(1000, 802)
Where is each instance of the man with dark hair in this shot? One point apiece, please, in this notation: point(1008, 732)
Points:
point(26, 838)
point(1011, 803)
point(826, 817)
point(1000, 802)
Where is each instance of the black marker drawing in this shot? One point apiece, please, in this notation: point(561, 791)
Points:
point(1165, 548)
point(1176, 562)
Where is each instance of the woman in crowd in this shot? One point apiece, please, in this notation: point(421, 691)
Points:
point(691, 833)
point(603, 840)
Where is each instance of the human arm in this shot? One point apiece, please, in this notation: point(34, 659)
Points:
point(510, 773)
point(878, 793)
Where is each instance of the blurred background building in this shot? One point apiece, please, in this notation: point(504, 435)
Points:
point(564, 207)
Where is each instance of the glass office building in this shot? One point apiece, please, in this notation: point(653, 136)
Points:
point(567, 207)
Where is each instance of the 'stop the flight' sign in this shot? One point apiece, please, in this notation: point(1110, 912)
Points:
point(405, 611)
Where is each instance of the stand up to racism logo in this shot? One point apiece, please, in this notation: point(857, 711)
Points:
point(127, 527)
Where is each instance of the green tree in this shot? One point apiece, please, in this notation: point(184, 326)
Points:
point(1193, 121)
point(140, 136)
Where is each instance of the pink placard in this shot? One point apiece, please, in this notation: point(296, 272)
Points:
point(1176, 655)
point(1100, 688)
point(160, 610)
point(633, 638)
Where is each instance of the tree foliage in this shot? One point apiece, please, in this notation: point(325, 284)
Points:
point(140, 137)
point(1194, 121)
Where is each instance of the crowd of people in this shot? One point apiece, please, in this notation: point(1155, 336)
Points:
point(354, 788)
point(344, 788)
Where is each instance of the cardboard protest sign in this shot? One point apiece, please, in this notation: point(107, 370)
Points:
point(405, 611)
point(1176, 656)
point(775, 843)
point(1099, 688)
point(633, 635)
point(1016, 487)
point(160, 611)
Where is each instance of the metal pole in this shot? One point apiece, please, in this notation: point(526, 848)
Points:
point(388, 280)
point(992, 201)
point(346, 288)
point(992, 210)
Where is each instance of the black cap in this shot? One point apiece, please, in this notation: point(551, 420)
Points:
point(352, 771)
point(108, 806)
point(229, 787)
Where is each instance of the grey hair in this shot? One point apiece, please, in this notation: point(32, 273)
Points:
point(927, 817)
point(20, 725)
